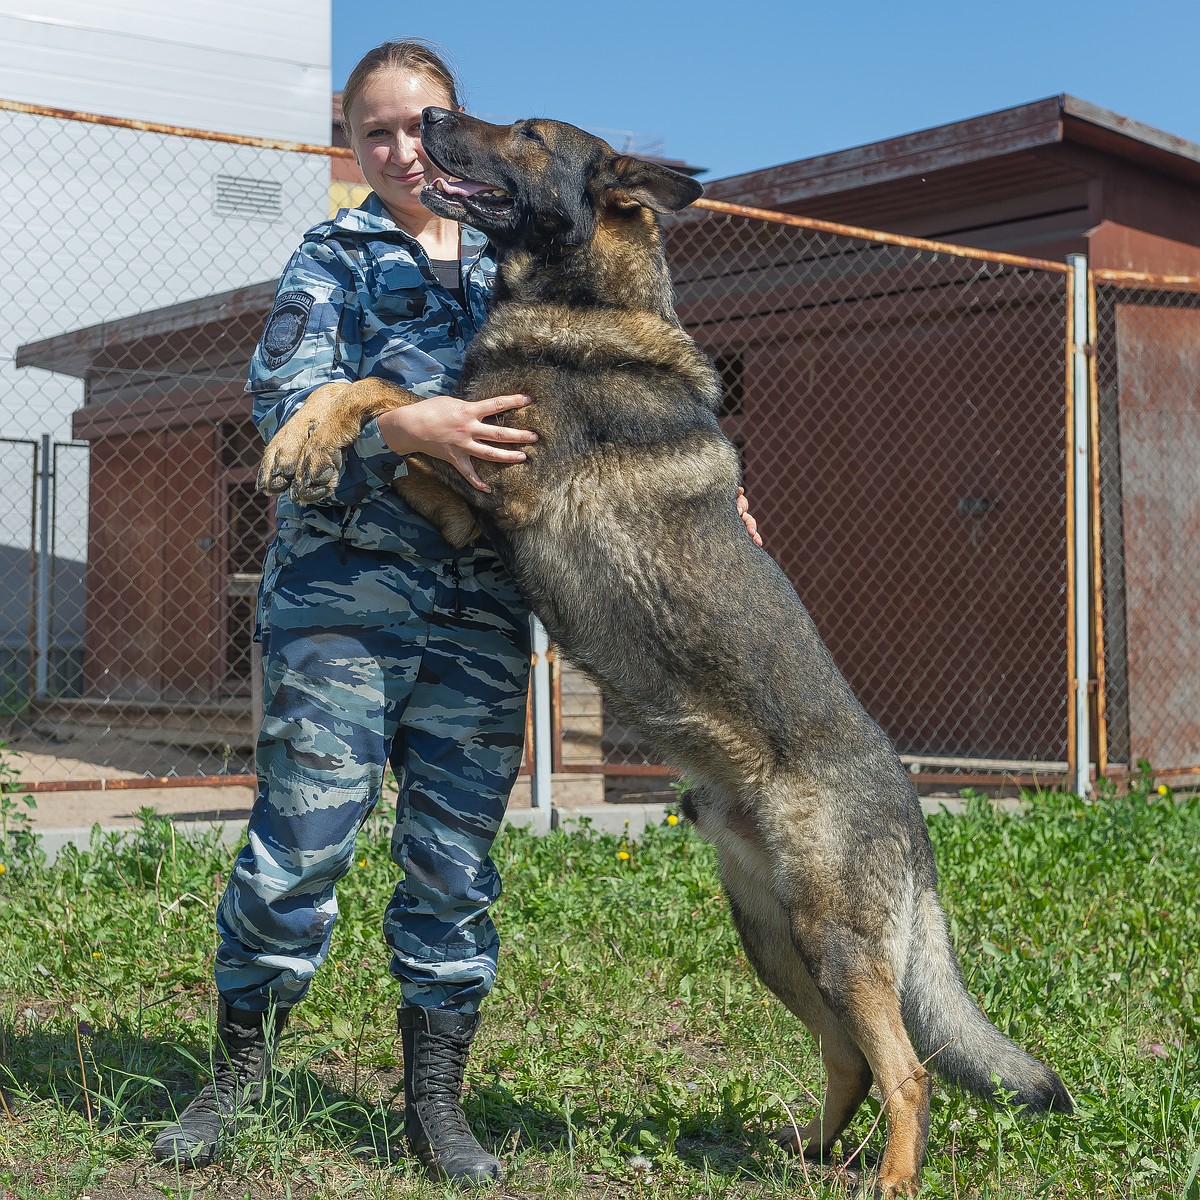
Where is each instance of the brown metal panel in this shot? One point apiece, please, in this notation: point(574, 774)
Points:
point(150, 615)
point(192, 582)
point(949, 626)
point(1159, 371)
point(180, 407)
point(123, 619)
point(1121, 248)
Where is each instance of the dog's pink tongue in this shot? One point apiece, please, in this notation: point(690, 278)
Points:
point(462, 187)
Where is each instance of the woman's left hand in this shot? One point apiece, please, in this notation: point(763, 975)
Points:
point(743, 507)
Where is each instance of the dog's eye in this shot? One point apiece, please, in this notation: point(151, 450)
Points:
point(528, 131)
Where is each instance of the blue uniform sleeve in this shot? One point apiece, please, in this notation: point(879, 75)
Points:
point(312, 337)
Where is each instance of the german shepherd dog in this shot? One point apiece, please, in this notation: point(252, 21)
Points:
point(621, 528)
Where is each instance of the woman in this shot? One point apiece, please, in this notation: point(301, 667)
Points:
point(380, 643)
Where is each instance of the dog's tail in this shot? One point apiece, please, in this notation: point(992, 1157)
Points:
point(952, 1036)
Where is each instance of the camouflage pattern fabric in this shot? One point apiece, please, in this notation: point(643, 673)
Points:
point(380, 642)
point(359, 298)
point(371, 657)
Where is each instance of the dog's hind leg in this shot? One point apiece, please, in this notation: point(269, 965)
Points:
point(858, 986)
point(763, 926)
point(847, 1082)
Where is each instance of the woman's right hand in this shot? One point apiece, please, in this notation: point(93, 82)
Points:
point(454, 430)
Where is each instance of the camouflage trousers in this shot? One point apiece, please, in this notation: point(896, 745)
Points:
point(371, 657)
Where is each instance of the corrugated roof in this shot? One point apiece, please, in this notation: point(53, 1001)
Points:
point(74, 353)
point(959, 145)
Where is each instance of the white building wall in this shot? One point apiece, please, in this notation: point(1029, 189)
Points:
point(259, 67)
point(98, 223)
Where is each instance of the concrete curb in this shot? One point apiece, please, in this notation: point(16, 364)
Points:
point(232, 833)
point(630, 820)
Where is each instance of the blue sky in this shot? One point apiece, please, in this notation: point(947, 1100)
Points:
point(741, 84)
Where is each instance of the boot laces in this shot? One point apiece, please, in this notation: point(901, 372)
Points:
point(237, 1073)
point(444, 1063)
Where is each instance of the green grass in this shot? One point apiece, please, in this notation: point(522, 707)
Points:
point(628, 1050)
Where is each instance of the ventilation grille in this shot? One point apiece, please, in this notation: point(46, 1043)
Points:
point(237, 196)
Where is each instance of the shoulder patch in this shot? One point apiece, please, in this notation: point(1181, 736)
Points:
point(285, 328)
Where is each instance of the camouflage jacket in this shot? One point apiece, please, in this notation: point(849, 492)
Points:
point(359, 298)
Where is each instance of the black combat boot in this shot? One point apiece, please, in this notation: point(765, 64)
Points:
point(436, 1043)
point(241, 1063)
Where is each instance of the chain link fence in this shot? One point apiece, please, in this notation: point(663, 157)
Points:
point(137, 266)
point(900, 407)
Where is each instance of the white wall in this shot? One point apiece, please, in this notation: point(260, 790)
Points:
point(98, 223)
point(258, 67)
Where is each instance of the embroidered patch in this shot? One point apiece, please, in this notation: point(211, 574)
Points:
point(285, 328)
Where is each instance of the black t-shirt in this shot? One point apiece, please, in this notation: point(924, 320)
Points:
point(449, 274)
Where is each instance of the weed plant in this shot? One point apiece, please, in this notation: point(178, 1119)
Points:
point(628, 1049)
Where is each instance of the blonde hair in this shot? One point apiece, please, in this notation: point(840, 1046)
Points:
point(408, 54)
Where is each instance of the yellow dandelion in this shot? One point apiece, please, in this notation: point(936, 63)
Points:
point(3, 868)
point(672, 819)
point(622, 854)
point(97, 954)
point(1163, 790)
point(362, 862)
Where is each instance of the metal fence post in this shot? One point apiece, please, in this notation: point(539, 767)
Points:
point(1081, 751)
point(41, 679)
point(541, 781)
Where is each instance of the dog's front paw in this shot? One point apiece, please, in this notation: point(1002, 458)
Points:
point(317, 474)
point(281, 458)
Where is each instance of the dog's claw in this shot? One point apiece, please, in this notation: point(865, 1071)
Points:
point(317, 477)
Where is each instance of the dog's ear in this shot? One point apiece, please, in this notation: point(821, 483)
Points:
point(636, 181)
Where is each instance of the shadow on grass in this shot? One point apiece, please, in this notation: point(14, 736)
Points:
point(114, 1079)
point(712, 1143)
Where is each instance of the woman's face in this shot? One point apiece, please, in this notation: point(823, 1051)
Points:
point(385, 134)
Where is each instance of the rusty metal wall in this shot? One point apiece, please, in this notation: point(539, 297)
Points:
point(1147, 385)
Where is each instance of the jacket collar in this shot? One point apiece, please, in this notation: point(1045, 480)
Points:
point(370, 217)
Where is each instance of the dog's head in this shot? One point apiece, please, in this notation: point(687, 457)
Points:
point(539, 184)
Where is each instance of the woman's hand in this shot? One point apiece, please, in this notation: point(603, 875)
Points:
point(453, 430)
point(743, 507)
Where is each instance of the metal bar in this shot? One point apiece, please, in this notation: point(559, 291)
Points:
point(1097, 545)
point(1025, 779)
point(42, 677)
point(1118, 772)
point(204, 135)
point(52, 582)
point(631, 769)
point(143, 783)
point(876, 235)
point(138, 783)
point(556, 710)
point(1081, 531)
point(541, 790)
point(1069, 492)
point(1027, 765)
point(740, 210)
point(31, 633)
point(1183, 283)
